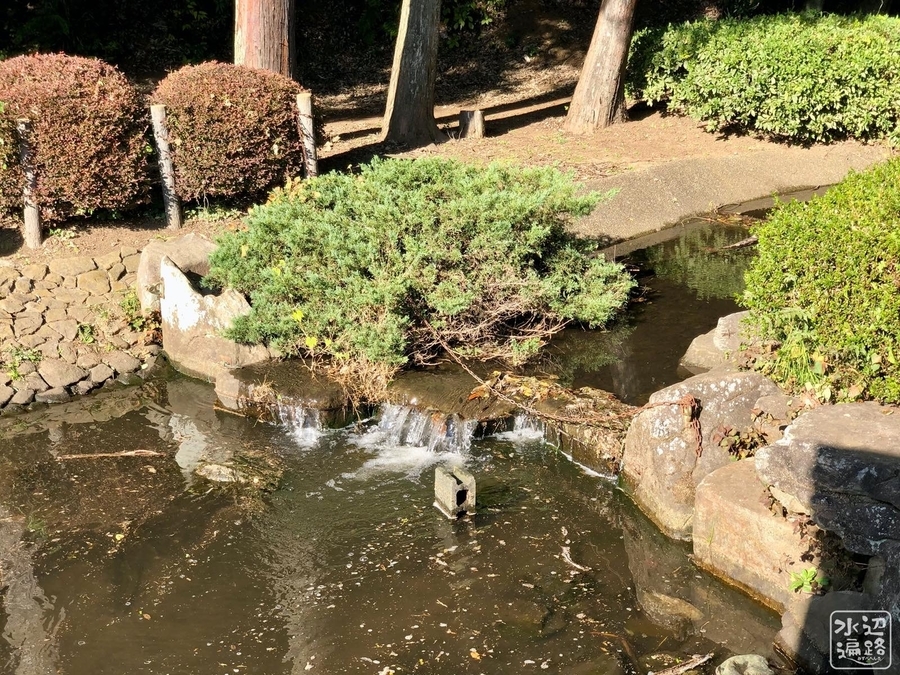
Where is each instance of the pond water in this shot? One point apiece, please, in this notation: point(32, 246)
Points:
point(136, 565)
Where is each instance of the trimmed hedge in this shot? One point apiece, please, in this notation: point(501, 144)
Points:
point(826, 288)
point(233, 130)
point(388, 266)
point(88, 132)
point(804, 77)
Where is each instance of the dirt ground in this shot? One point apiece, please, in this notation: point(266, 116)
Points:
point(522, 79)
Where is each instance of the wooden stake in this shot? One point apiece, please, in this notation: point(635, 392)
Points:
point(31, 230)
point(307, 134)
point(166, 168)
point(471, 124)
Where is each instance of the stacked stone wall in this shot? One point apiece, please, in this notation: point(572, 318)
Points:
point(70, 326)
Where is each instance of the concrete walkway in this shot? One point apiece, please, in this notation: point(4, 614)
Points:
point(657, 197)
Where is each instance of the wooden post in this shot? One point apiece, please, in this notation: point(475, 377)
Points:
point(471, 124)
point(307, 134)
point(166, 168)
point(31, 230)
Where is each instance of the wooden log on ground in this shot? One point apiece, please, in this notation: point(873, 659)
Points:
point(307, 134)
point(31, 229)
point(166, 167)
point(471, 124)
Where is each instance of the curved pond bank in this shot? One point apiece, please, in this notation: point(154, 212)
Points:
point(651, 199)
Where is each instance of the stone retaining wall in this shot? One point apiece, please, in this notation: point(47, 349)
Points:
point(64, 329)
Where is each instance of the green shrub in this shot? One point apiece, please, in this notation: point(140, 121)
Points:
point(805, 77)
point(826, 288)
point(384, 266)
point(88, 134)
point(233, 130)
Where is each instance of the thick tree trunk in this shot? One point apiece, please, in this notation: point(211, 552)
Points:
point(409, 117)
point(599, 95)
point(263, 35)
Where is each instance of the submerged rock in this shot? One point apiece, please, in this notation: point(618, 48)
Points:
point(745, 664)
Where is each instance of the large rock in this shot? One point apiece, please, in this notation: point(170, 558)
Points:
point(737, 537)
point(190, 253)
point(275, 390)
point(841, 465)
point(192, 326)
point(719, 346)
point(662, 464)
point(806, 628)
point(59, 373)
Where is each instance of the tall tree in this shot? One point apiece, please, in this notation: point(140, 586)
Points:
point(599, 98)
point(263, 35)
point(409, 117)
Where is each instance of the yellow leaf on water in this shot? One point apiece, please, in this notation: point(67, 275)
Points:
point(119, 536)
point(474, 654)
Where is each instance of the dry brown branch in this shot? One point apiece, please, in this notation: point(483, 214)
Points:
point(690, 664)
point(688, 403)
point(626, 646)
point(124, 453)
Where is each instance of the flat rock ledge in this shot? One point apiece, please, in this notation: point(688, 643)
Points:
point(70, 327)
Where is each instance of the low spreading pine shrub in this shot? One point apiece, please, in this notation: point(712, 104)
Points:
point(803, 77)
point(233, 130)
point(825, 288)
point(389, 266)
point(88, 133)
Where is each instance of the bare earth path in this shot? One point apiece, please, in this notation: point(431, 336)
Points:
point(664, 169)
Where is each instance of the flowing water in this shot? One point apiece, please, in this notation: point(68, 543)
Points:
point(134, 564)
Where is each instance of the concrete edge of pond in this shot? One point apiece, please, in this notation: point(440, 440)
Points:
point(649, 200)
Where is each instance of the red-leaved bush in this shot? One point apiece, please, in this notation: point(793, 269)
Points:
point(233, 130)
point(88, 133)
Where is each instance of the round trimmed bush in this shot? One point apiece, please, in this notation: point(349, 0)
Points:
point(233, 130)
point(88, 132)
point(825, 288)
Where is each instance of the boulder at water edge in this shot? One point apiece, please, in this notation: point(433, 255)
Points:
point(737, 537)
point(192, 327)
point(719, 346)
point(662, 464)
point(190, 253)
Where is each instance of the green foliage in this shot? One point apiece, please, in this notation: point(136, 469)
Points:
point(378, 19)
point(233, 130)
point(385, 266)
point(131, 309)
point(808, 581)
point(806, 77)
point(16, 356)
point(87, 133)
point(87, 333)
point(825, 285)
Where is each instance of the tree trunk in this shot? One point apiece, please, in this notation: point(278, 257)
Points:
point(599, 98)
point(409, 117)
point(263, 35)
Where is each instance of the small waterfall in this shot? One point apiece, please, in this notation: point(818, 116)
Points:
point(305, 423)
point(524, 428)
point(405, 426)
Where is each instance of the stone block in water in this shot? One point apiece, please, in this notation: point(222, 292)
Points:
point(454, 491)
